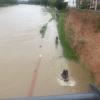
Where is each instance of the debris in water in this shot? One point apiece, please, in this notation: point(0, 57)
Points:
point(40, 46)
point(43, 30)
point(40, 56)
point(60, 56)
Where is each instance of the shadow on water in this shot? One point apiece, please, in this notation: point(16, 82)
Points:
point(56, 42)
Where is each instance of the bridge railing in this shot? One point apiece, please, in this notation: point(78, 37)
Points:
point(93, 95)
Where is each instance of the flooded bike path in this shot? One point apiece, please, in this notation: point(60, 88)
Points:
point(20, 48)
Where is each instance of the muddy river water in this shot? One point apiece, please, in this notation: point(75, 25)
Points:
point(22, 50)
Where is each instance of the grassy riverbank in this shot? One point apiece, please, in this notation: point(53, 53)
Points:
point(85, 38)
point(67, 50)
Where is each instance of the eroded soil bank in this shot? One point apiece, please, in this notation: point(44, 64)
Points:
point(82, 29)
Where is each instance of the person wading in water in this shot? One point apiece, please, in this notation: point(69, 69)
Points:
point(64, 75)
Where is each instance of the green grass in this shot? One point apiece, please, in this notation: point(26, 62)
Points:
point(68, 52)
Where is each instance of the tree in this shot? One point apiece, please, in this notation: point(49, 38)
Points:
point(43, 2)
point(60, 4)
point(85, 4)
point(52, 2)
point(2, 2)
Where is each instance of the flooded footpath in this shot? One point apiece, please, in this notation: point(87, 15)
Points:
point(31, 65)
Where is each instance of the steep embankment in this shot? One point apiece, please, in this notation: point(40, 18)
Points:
point(83, 32)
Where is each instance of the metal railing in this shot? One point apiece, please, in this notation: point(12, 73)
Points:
point(93, 95)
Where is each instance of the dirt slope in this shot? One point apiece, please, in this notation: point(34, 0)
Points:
point(83, 31)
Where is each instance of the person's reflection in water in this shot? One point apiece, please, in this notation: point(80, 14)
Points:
point(56, 42)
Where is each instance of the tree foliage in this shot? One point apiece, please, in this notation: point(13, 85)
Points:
point(42, 2)
point(56, 3)
point(60, 4)
point(52, 2)
point(2, 2)
point(85, 4)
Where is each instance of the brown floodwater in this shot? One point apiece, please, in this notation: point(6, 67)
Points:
point(21, 47)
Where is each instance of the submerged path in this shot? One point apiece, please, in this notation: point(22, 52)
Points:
point(34, 78)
